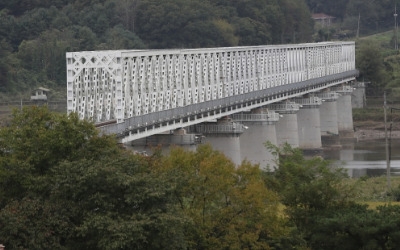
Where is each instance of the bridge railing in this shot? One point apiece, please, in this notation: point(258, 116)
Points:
point(271, 116)
point(309, 101)
point(236, 128)
point(328, 95)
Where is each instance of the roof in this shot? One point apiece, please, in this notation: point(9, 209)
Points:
point(321, 16)
point(43, 89)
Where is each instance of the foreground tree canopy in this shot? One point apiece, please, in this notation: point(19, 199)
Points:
point(65, 186)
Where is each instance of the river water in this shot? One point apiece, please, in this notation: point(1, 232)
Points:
point(366, 157)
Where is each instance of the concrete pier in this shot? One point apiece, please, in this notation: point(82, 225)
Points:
point(358, 96)
point(223, 136)
point(328, 113)
point(329, 119)
point(287, 126)
point(308, 119)
point(261, 128)
point(345, 113)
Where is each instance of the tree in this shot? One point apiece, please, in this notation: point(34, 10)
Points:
point(4, 68)
point(369, 61)
point(357, 227)
point(229, 207)
point(126, 10)
point(119, 38)
point(306, 186)
point(298, 26)
point(173, 23)
point(33, 223)
point(118, 203)
point(35, 141)
point(64, 186)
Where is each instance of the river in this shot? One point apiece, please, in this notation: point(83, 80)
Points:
point(366, 157)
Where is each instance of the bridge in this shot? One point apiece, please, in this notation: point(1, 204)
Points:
point(135, 94)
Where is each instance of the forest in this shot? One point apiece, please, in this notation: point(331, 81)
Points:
point(36, 34)
point(82, 190)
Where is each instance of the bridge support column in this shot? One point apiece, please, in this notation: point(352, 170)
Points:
point(345, 112)
point(308, 119)
point(287, 126)
point(358, 96)
point(223, 136)
point(261, 128)
point(329, 119)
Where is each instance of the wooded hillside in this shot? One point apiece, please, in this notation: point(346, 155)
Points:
point(35, 34)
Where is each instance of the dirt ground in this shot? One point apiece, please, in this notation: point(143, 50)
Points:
point(369, 130)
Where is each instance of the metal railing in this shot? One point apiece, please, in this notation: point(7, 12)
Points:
point(309, 101)
point(328, 96)
point(283, 107)
point(343, 89)
point(270, 117)
point(230, 128)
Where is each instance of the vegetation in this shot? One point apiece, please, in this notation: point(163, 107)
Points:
point(64, 186)
point(35, 35)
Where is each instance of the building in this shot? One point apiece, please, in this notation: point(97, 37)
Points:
point(323, 19)
point(40, 94)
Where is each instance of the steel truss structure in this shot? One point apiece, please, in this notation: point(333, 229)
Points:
point(118, 85)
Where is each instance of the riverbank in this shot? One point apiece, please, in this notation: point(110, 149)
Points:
point(372, 130)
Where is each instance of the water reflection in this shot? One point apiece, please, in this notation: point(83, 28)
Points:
point(366, 157)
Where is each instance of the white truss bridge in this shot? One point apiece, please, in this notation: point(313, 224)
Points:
point(138, 93)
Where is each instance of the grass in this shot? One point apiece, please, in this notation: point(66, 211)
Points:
point(382, 39)
point(375, 204)
point(373, 190)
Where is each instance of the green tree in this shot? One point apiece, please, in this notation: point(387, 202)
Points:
point(118, 203)
point(230, 208)
point(369, 62)
point(306, 186)
point(35, 141)
point(64, 186)
point(173, 23)
point(298, 25)
point(357, 227)
point(5, 49)
point(119, 38)
point(34, 223)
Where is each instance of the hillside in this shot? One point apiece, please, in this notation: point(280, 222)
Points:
point(34, 35)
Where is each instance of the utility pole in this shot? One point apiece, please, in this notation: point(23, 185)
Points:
point(396, 46)
point(358, 25)
point(386, 145)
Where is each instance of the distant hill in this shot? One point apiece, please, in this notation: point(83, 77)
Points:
point(35, 35)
